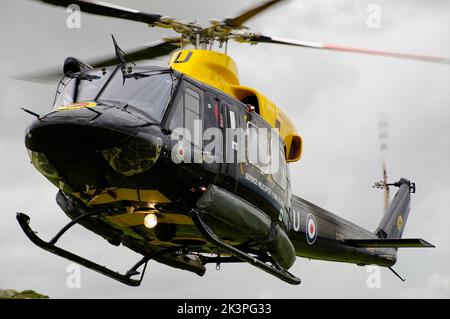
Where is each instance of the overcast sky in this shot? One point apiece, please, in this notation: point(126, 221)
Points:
point(332, 97)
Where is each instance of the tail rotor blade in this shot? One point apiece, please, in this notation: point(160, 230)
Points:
point(383, 125)
point(386, 188)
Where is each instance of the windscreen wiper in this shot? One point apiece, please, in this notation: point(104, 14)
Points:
point(139, 75)
point(136, 75)
point(83, 76)
point(123, 106)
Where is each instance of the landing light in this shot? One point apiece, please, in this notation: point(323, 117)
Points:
point(150, 221)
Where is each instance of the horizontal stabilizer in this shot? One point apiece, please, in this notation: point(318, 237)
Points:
point(389, 243)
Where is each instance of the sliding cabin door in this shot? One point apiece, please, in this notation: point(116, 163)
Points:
point(213, 124)
point(232, 143)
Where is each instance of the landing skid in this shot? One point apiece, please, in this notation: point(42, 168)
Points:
point(213, 238)
point(126, 279)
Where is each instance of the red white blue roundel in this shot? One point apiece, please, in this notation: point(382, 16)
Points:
point(311, 229)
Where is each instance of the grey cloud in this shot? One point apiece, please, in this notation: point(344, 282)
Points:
point(333, 98)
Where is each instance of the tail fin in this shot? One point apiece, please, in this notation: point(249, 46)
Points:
point(393, 222)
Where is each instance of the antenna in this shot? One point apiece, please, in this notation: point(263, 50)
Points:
point(121, 58)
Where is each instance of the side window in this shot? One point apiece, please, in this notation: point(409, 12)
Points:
point(211, 111)
point(177, 119)
point(266, 152)
point(186, 113)
point(192, 115)
point(278, 162)
point(258, 147)
point(252, 144)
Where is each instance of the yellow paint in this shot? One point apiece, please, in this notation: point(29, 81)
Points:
point(159, 243)
point(220, 71)
point(399, 222)
point(213, 68)
point(125, 194)
point(137, 218)
point(76, 106)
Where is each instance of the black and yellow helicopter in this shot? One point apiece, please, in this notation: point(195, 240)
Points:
point(129, 148)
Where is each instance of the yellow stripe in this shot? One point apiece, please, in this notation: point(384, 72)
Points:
point(76, 106)
point(137, 218)
point(126, 194)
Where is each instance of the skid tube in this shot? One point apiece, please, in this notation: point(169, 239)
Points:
point(24, 221)
point(213, 238)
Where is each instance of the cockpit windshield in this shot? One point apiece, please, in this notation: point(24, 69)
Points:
point(149, 92)
point(82, 87)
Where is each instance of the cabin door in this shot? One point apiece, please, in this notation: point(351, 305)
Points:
point(212, 138)
point(231, 136)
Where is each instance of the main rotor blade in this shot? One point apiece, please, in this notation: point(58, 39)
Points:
point(109, 10)
point(244, 16)
point(147, 52)
point(333, 47)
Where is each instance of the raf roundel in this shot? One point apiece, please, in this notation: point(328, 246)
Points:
point(311, 229)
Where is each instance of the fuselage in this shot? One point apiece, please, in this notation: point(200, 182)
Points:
point(153, 142)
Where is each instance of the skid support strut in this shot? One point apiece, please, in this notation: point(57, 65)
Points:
point(126, 279)
point(213, 238)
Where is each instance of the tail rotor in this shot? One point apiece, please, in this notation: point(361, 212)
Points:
point(383, 126)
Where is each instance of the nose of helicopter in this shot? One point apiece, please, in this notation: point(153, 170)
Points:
point(87, 146)
point(85, 127)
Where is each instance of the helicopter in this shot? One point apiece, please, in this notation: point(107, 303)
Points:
point(186, 166)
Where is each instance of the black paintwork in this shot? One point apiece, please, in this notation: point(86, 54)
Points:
point(72, 140)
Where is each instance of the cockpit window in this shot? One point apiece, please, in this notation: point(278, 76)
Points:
point(149, 92)
point(82, 87)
